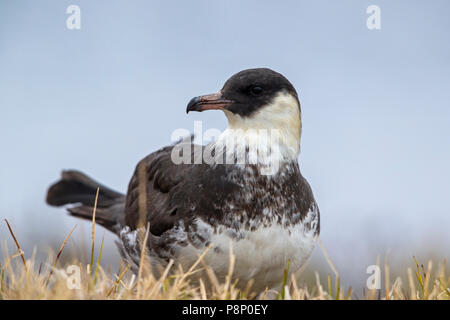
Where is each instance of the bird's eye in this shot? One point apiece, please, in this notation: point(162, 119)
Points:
point(256, 90)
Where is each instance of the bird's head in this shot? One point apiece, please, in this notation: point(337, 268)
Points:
point(257, 99)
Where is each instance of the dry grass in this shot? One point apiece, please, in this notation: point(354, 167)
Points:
point(21, 278)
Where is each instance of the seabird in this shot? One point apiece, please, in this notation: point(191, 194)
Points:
point(250, 193)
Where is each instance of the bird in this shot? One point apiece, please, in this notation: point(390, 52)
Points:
point(241, 193)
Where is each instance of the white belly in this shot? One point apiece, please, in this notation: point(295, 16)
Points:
point(261, 255)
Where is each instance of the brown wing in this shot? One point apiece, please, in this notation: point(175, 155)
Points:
point(151, 189)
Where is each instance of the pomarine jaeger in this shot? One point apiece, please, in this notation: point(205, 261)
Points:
point(269, 217)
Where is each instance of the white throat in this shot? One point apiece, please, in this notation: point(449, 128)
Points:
point(271, 134)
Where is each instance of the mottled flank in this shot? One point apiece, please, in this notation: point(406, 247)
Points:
point(269, 219)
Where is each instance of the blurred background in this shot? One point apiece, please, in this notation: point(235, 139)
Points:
point(375, 107)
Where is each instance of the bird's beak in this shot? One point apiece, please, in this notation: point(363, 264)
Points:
point(213, 101)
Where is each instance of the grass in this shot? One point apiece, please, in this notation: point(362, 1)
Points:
point(22, 278)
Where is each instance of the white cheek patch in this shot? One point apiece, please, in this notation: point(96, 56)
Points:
point(268, 137)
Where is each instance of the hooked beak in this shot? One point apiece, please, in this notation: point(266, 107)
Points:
point(213, 101)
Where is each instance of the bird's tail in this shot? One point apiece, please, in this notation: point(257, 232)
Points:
point(78, 189)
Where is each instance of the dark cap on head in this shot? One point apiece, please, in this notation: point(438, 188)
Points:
point(245, 92)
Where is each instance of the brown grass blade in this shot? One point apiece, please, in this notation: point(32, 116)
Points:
point(59, 254)
point(117, 281)
point(93, 230)
point(17, 244)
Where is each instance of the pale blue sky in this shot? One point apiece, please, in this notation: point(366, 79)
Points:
point(376, 110)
